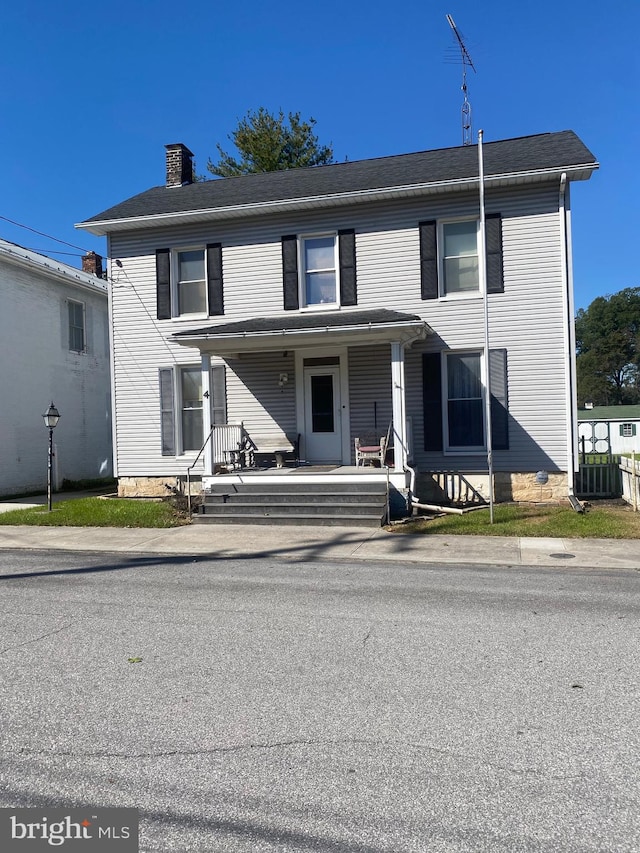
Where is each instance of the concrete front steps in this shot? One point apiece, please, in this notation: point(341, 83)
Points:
point(337, 504)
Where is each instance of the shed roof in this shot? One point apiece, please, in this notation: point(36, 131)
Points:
point(610, 413)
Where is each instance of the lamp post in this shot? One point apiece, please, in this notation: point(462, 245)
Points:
point(51, 418)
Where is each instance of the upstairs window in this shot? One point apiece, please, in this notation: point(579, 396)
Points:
point(450, 254)
point(319, 277)
point(189, 282)
point(191, 293)
point(460, 269)
point(77, 342)
point(319, 271)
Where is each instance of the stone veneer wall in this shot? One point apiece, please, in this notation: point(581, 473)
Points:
point(456, 487)
point(155, 487)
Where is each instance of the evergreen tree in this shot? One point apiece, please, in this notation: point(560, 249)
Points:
point(269, 143)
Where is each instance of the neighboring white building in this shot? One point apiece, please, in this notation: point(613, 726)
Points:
point(54, 336)
point(609, 429)
point(333, 301)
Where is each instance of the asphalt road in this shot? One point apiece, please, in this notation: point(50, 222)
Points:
point(316, 706)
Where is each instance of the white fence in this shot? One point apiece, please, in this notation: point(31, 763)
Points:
point(630, 469)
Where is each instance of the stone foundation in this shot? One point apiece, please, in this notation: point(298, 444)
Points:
point(155, 487)
point(469, 489)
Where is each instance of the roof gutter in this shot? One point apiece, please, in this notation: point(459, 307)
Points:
point(43, 264)
point(104, 226)
point(420, 331)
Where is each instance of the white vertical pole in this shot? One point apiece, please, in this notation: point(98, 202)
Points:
point(487, 372)
point(205, 366)
point(398, 401)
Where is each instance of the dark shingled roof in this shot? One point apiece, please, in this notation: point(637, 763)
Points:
point(304, 322)
point(547, 151)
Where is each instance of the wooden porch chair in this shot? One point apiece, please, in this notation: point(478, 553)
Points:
point(370, 451)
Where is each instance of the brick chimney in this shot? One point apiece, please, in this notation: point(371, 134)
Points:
point(179, 165)
point(92, 264)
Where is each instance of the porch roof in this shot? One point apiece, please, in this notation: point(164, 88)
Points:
point(294, 331)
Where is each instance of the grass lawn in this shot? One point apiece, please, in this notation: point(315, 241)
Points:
point(99, 512)
point(602, 520)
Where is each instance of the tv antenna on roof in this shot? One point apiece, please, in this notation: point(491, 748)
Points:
point(466, 62)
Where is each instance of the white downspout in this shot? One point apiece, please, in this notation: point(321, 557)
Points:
point(564, 210)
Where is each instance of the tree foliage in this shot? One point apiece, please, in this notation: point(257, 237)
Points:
point(608, 349)
point(270, 143)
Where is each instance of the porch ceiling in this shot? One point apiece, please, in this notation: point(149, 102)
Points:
point(296, 331)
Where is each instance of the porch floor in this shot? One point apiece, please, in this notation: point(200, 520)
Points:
point(304, 469)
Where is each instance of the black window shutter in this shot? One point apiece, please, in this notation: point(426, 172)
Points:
point(347, 251)
point(163, 283)
point(428, 260)
point(290, 272)
point(219, 391)
point(493, 237)
point(499, 399)
point(167, 414)
point(214, 279)
point(432, 400)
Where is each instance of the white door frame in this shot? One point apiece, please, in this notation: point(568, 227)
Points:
point(345, 420)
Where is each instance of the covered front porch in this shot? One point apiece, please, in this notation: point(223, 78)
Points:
point(301, 388)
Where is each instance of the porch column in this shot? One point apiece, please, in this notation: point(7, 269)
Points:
point(399, 410)
point(207, 456)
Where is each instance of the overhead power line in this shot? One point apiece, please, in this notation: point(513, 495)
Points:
point(42, 234)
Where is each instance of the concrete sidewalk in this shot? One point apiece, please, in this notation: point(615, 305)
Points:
point(230, 541)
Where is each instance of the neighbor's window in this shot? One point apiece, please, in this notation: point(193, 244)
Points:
point(460, 257)
point(627, 430)
point(191, 282)
point(319, 271)
point(191, 407)
point(76, 326)
point(465, 406)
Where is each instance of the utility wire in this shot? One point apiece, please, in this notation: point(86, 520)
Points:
point(42, 234)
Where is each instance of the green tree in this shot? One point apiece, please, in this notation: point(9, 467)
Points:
point(608, 349)
point(269, 143)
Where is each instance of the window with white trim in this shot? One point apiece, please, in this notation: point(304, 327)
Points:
point(180, 410)
point(191, 408)
point(191, 285)
point(460, 272)
point(77, 340)
point(182, 406)
point(319, 271)
point(464, 421)
point(627, 430)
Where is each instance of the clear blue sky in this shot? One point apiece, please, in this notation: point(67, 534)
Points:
point(91, 92)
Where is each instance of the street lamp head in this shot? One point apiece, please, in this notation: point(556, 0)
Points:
point(51, 416)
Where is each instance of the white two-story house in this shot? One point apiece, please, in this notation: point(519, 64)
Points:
point(54, 336)
point(374, 297)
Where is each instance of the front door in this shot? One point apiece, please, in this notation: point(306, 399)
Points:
point(323, 429)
